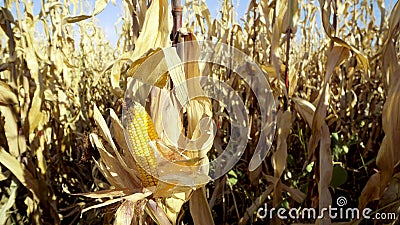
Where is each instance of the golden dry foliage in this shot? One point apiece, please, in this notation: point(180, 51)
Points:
point(329, 87)
point(49, 77)
point(66, 155)
point(384, 185)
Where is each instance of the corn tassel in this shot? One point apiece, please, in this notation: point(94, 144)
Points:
point(140, 131)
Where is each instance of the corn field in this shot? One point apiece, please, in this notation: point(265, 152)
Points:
point(200, 119)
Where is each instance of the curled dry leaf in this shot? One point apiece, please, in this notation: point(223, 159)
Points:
point(199, 208)
point(11, 132)
point(330, 31)
point(20, 172)
point(305, 108)
point(320, 131)
point(10, 202)
point(7, 97)
point(155, 35)
point(325, 170)
point(388, 155)
point(280, 155)
point(335, 57)
point(370, 192)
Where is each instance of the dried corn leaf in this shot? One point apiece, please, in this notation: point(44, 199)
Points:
point(169, 123)
point(37, 146)
point(75, 19)
point(155, 34)
point(177, 75)
point(4, 210)
point(149, 69)
point(7, 97)
point(270, 70)
point(370, 192)
point(125, 213)
point(101, 123)
point(35, 114)
point(157, 213)
point(296, 194)
point(133, 198)
point(115, 78)
point(388, 155)
point(109, 193)
point(106, 203)
point(202, 13)
point(11, 131)
point(100, 6)
point(178, 173)
point(330, 31)
point(6, 15)
point(394, 20)
point(118, 133)
point(255, 78)
point(291, 15)
point(156, 29)
point(20, 172)
point(335, 57)
point(256, 205)
point(325, 170)
point(306, 109)
point(116, 174)
point(4, 175)
point(320, 131)
point(199, 105)
point(275, 40)
point(172, 205)
point(280, 155)
point(199, 209)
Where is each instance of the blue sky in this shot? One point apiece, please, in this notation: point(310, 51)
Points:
point(107, 18)
point(110, 15)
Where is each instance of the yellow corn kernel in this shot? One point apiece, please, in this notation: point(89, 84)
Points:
point(141, 131)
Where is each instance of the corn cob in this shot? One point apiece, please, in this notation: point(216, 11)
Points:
point(140, 131)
